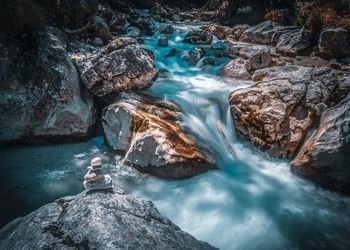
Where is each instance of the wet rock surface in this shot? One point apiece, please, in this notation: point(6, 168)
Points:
point(325, 156)
point(98, 220)
point(198, 37)
point(41, 94)
point(147, 131)
point(276, 112)
point(121, 65)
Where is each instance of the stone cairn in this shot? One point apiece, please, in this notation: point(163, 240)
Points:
point(95, 178)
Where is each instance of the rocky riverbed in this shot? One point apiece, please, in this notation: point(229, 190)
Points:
point(243, 110)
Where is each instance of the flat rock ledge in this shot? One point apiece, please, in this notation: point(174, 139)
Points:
point(99, 220)
point(149, 134)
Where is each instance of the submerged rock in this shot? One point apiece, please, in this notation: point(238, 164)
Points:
point(167, 29)
point(193, 56)
point(198, 37)
point(325, 156)
point(40, 94)
point(99, 220)
point(277, 111)
point(122, 65)
point(163, 41)
point(148, 132)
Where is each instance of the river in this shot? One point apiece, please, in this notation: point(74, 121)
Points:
point(252, 202)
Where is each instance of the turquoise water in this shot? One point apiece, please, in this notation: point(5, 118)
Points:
point(253, 202)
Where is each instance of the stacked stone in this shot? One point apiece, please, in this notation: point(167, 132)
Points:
point(95, 179)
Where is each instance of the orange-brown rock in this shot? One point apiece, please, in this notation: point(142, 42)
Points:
point(152, 139)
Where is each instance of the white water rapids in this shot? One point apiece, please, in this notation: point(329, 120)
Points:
point(254, 202)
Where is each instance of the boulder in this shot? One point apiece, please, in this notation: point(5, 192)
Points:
point(77, 13)
point(334, 43)
point(119, 24)
point(325, 156)
point(198, 37)
point(159, 10)
point(121, 65)
point(221, 32)
point(208, 61)
point(163, 41)
point(224, 32)
point(278, 110)
point(262, 33)
point(223, 48)
point(167, 29)
point(236, 69)
point(98, 220)
point(237, 31)
point(40, 95)
point(290, 40)
point(193, 56)
point(147, 131)
point(101, 29)
point(293, 43)
point(133, 32)
point(256, 57)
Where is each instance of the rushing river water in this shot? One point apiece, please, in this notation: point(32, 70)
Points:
point(254, 202)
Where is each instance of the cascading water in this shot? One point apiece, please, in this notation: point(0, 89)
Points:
point(250, 202)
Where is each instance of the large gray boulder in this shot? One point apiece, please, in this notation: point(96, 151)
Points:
point(40, 93)
point(97, 220)
point(289, 40)
point(278, 110)
point(122, 65)
point(325, 156)
point(148, 132)
point(293, 43)
point(334, 43)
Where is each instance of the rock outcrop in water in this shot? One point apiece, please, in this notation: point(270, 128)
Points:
point(99, 220)
point(120, 66)
point(147, 131)
point(198, 37)
point(40, 94)
point(325, 156)
point(278, 110)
